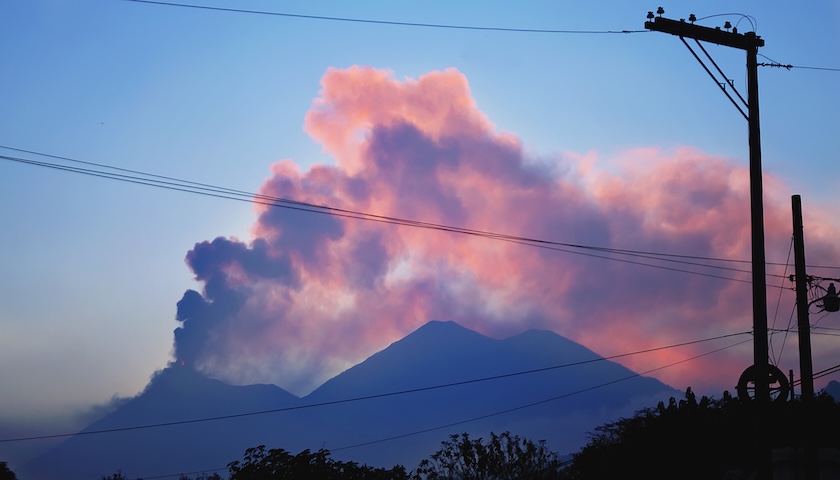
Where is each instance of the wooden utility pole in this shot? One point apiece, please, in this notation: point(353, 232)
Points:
point(806, 367)
point(748, 42)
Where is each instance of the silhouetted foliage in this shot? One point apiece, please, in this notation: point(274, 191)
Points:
point(503, 457)
point(118, 475)
point(701, 440)
point(6, 473)
point(201, 476)
point(277, 464)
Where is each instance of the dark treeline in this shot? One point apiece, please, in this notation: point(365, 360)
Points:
point(6, 473)
point(692, 438)
point(705, 438)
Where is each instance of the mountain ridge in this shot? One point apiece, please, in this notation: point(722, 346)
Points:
point(564, 406)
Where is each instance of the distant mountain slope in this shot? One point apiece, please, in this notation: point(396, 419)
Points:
point(438, 352)
point(174, 395)
point(445, 352)
point(833, 389)
point(565, 403)
point(559, 405)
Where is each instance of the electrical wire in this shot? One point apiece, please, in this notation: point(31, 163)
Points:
point(526, 241)
point(173, 183)
point(828, 267)
point(385, 22)
point(373, 396)
point(459, 27)
point(786, 331)
point(656, 255)
point(826, 334)
point(826, 328)
point(774, 63)
point(503, 412)
point(803, 67)
point(835, 333)
point(181, 474)
point(230, 194)
point(821, 373)
point(749, 18)
point(827, 371)
point(776, 313)
point(552, 399)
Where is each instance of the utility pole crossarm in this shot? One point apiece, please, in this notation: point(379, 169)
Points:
point(681, 28)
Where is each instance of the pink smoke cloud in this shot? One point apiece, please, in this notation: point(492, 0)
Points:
point(310, 295)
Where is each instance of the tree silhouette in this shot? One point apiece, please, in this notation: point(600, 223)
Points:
point(278, 464)
point(201, 476)
point(503, 457)
point(703, 439)
point(119, 475)
point(6, 473)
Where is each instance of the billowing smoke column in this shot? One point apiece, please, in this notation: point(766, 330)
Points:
point(217, 264)
point(311, 294)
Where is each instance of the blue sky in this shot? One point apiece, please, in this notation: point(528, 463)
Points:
point(94, 268)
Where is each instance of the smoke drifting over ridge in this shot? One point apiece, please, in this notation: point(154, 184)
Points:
point(309, 295)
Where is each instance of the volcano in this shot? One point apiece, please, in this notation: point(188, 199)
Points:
point(393, 408)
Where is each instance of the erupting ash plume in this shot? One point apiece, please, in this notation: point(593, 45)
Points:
point(309, 294)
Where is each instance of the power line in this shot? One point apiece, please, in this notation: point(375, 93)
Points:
point(827, 371)
point(386, 22)
point(833, 332)
point(231, 194)
point(826, 334)
point(788, 66)
point(173, 183)
point(374, 396)
point(172, 475)
point(558, 397)
point(509, 410)
point(224, 193)
point(239, 195)
point(830, 267)
point(656, 255)
point(821, 373)
point(802, 67)
point(749, 18)
point(826, 328)
point(778, 305)
point(786, 332)
point(826, 69)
